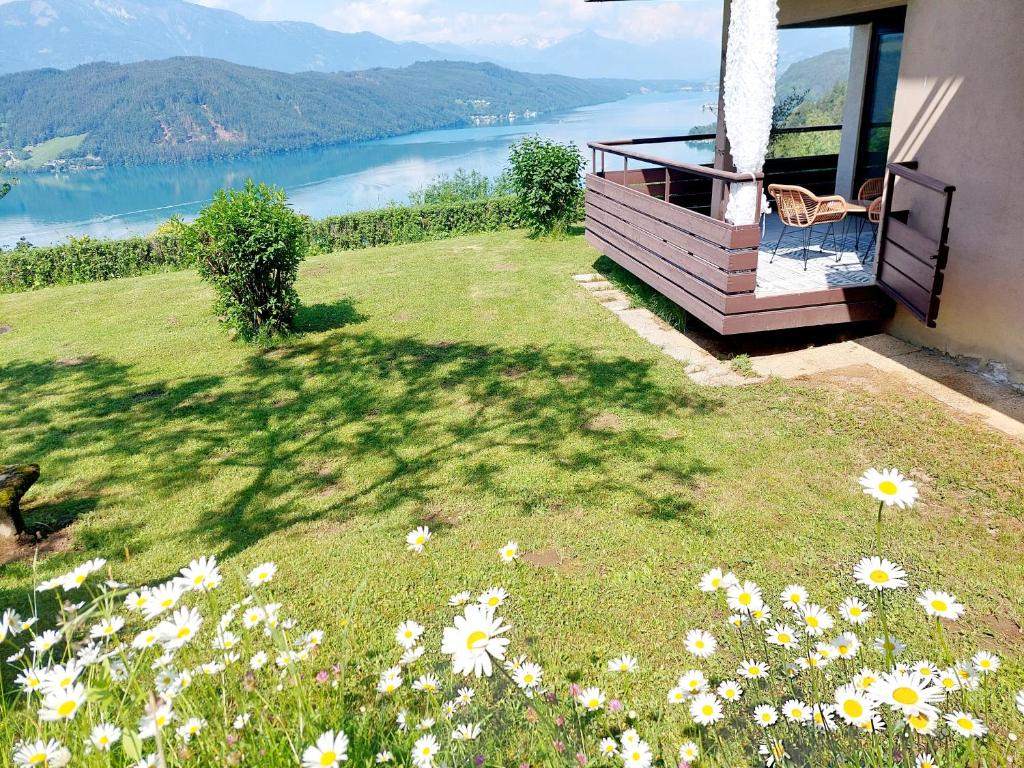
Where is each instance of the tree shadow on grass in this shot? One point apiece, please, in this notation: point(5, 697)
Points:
point(315, 318)
point(324, 430)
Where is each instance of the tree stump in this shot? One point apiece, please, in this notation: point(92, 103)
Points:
point(14, 482)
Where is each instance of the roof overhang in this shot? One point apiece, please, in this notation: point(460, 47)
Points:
point(822, 13)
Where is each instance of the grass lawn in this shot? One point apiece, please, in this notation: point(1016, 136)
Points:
point(50, 150)
point(471, 386)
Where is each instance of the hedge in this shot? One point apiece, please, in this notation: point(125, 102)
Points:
point(86, 259)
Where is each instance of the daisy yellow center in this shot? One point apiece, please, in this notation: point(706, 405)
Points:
point(939, 605)
point(425, 751)
point(868, 680)
point(745, 598)
point(167, 603)
point(985, 663)
point(636, 756)
point(843, 649)
point(37, 759)
point(879, 576)
point(798, 713)
point(420, 539)
point(262, 575)
point(328, 758)
point(104, 739)
point(708, 709)
point(853, 708)
point(492, 601)
point(784, 638)
point(905, 695)
point(964, 723)
point(79, 579)
point(160, 721)
point(67, 708)
point(754, 670)
point(715, 583)
point(592, 703)
point(812, 662)
point(888, 487)
point(527, 678)
point(184, 632)
point(198, 580)
point(476, 640)
point(699, 644)
point(766, 716)
point(812, 621)
point(918, 721)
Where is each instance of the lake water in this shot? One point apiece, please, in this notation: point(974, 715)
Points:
point(117, 202)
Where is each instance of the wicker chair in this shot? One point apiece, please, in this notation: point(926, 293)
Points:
point(800, 208)
point(870, 190)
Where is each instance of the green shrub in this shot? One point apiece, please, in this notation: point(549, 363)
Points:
point(464, 186)
point(546, 178)
point(248, 244)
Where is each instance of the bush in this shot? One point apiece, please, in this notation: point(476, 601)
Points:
point(545, 176)
point(248, 244)
point(464, 186)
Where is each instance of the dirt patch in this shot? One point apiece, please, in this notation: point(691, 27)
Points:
point(403, 317)
point(505, 267)
point(1006, 632)
point(864, 377)
point(5, 329)
point(604, 422)
point(276, 353)
point(568, 378)
point(25, 547)
point(514, 372)
point(331, 489)
point(149, 394)
point(551, 558)
point(317, 271)
point(71, 362)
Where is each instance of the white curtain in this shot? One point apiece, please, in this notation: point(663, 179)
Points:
point(749, 96)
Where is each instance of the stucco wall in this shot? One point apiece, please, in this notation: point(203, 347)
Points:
point(809, 11)
point(960, 113)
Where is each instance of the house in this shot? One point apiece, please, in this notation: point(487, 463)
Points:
point(935, 107)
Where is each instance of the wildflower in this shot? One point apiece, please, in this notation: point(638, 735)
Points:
point(106, 628)
point(261, 574)
point(906, 692)
point(460, 598)
point(688, 752)
point(465, 696)
point(212, 667)
point(383, 756)
point(426, 684)
point(147, 638)
point(149, 761)
point(784, 635)
point(1019, 701)
point(408, 633)
point(730, 690)
point(412, 656)
point(752, 670)
point(493, 597)
point(200, 575)
point(253, 616)
point(676, 695)
point(762, 614)
point(846, 645)
point(44, 641)
point(608, 747)
point(706, 709)
point(745, 597)
point(77, 577)
point(738, 619)
point(965, 724)
point(225, 641)
point(773, 752)
point(854, 611)
point(136, 601)
point(591, 699)
point(925, 760)
point(258, 660)
point(49, 754)
point(816, 620)
point(466, 732)
point(854, 706)
point(637, 756)
point(796, 711)
point(425, 724)
point(62, 703)
point(61, 675)
point(190, 728)
point(823, 717)
point(162, 598)
point(329, 750)
point(156, 719)
point(985, 662)
point(104, 736)
point(794, 597)
point(180, 628)
point(889, 487)
point(474, 640)
point(940, 605)
point(877, 573)
point(693, 681)
point(711, 581)
point(765, 715)
point(509, 553)
point(241, 721)
point(812, 661)
point(629, 738)
point(390, 680)
point(923, 722)
point(624, 663)
point(416, 539)
point(925, 669)
point(528, 675)
point(700, 643)
point(424, 750)
point(890, 644)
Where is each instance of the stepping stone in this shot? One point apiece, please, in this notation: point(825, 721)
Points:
point(14, 482)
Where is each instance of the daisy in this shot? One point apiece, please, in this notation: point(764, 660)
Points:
point(509, 553)
point(940, 605)
point(925, 760)
point(241, 721)
point(608, 747)
point(466, 732)
point(706, 709)
point(425, 724)
point(104, 736)
point(493, 597)
point(711, 581)
point(773, 753)
point(200, 575)
point(591, 699)
point(854, 611)
point(412, 656)
point(752, 670)
point(261, 574)
point(424, 750)
point(136, 601)
point(965, 675)
point(985, 662)
point(474, 639)
point(49, 754)
point(416, 539)
point(878, 574)
point(62, 675)
point(180, 628)
point(794, 596)
point(408, 633)
point(637, 756)
point(465, 697)
point(624, 663)
point(765, 715)
point(258, 660)
point(1019, 701)
point(854, 706)
point(77, 577)
point(426, 684)
point(923, 723)
point(745, 597)
point(906, 692)
point(44, 641)
point(890, 644)
point(816, 620)
point(812, 661)
point(796, 711)
point(784, 635)
point(106, 628)
point(761, 615)
point(693, 681)
point(62, 703)
point(738, 619)
point(889, 487)
point(688, 752)
point(823, 717)
point(630, 738)
point(329, 750)
point(528, 675)
point(190, 728)
point(676, 695)
point(383, 756)
point(156, 718)
point(700, 643)
point(730, 690)
point(460, 598)
point(846, 645)
point(162, 598)
point(965, 724)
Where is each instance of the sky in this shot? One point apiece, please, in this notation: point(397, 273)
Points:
point(503, 22)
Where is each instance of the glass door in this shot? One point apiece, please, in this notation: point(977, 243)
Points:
point(876, 124)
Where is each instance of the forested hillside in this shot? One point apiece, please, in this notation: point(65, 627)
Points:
point(194, 109)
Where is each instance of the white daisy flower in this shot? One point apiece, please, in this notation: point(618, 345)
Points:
point(384, 756)
point(475, 640)
point(49, 754)
point(225, 641)
point(106, 628)
point(890, 644)
point(408, 633)
point(965, 724)
point(62, 675)
point(823, 717)
point(846, 645)
point(629, 738)
point(637, 756)
point(466, 732)
point(190, 728)
point(200, 575)
point(416, 539)
point(509, 553)
point(608, 747)
point(180, 628)
point(162, 598)
point(62, 703)
point(796, 711)
point(104, 736)
point(44, 641)
point(745, 597)
point(877, 574)
point(78, 576)
point(591, 699)
point(906, 692)
point(924, 723)
point(985, 662)
point(706, 709)
point(147, 638)
point(784, 635)
point(676, 695)
point(711, 581)
point(156, 719)
point(137, 601)
point(261, 574)
point(465, 697)
point(241, 721)
point(258, 660)
point(752, 669)
point(730, 690)
point(493, 597)
point(329, 750)
point(693, 681)
point(855, 611)
point(940, 605)
point(412, 656)
point(765, 715)
point(460, 598)
point(253, 616)
point(700, 643)
point(624, 663)
point(854, 706)
point(816, 620)
point(425, 724)
point(426, 683)
point(925, 760)
point(528, 675)
point(794, 597)
point(774, 753)
point(889, 487)
point(424, 751)
point(688, 752)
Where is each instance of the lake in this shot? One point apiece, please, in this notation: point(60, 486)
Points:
point(117, 202)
